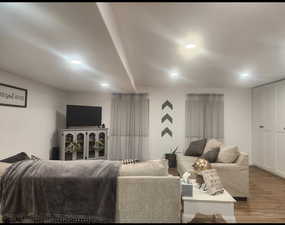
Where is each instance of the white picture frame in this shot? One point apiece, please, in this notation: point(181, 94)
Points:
point(212, 181)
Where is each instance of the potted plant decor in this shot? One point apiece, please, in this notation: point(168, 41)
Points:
point(171, 156)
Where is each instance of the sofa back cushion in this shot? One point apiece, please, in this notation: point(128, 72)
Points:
point(146, 168)
point(228, 154)
point(211, 144)
point(196, 148)
point(211, 155)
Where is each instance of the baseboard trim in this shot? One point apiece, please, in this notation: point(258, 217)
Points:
point(276, 173)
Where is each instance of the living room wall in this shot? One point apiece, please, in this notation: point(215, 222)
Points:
point(237, 114)
point(32, 129)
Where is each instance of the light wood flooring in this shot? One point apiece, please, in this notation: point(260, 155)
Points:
point(266, 203)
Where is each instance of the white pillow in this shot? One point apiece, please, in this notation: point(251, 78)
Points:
point(211, 144)
point(3, 167)
point(228, 154)
point(146, 168)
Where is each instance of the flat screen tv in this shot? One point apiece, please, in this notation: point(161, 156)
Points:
point(79, 116)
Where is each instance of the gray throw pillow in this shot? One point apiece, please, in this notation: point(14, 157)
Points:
point(211, 155)
point(196, 148)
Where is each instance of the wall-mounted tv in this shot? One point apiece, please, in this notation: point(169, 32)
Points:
point(79, 116)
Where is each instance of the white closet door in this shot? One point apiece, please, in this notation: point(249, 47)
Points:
point(280, 128)
point(280, 153)
point(280, 106)
point(268, 102)
point(258, 147)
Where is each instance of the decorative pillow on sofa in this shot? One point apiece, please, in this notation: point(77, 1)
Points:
point(16, 158)
point(146, 168)
point(228, 154)
point(211, 144)
point(211, 155)
point(3, 167)
point(35, 158)
point(196, 148)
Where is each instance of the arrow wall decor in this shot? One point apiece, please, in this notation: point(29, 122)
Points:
point(166, 117)
point(166, 131)
point(167, 103)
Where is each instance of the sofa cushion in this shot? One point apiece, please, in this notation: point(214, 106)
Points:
point(211, 155)
point(146, 168)
point(228, 154)
point(16, 158)
point(3, 167)
point(211, 144)
point(196, 148)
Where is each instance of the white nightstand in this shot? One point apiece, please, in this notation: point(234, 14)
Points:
point(202, 202)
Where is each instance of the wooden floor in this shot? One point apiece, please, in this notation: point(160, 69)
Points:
point(266, 203)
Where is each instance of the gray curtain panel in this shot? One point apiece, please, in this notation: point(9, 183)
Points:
point(129, 129)
point(204, 116)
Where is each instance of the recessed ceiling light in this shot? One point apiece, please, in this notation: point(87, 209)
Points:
point(74, 61)
point(244, 75)
point(105, 84)
point(190, 46)
point(174, 74)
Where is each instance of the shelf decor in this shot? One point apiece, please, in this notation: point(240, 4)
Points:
point(13, 96)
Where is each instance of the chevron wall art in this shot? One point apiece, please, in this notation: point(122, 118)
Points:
point(166, 117)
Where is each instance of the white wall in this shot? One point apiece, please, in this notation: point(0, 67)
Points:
point(32, 129)
point(237, 103)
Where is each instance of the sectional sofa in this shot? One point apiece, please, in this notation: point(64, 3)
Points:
point(234, 176)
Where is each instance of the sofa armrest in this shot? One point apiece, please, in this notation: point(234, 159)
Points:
point(243, 159)
point(234, 177)
point(148, 199)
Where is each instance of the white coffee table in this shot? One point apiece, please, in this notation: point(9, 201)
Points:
point(202, 202)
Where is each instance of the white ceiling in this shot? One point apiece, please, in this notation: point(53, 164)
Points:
point(144, 43)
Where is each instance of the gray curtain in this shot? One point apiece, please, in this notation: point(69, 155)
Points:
point(129, 129)
point(204, 116)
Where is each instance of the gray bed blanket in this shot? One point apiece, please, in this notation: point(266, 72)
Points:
point(60, 191)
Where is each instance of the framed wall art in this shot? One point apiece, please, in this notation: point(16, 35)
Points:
point(13, 96)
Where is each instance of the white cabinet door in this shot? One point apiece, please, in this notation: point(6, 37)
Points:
point(280, 153)
point(280, 107)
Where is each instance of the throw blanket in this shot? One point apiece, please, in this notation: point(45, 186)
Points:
point(60, 191)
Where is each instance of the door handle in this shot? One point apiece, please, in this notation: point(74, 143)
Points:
point(261, 126)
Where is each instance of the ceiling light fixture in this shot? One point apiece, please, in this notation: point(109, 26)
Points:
point(174, 74)
point(77, 62)
point(190, 46)
point(105, 84)
point(244, 75)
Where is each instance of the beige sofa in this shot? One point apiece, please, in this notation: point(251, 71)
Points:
point(147, 194)
point(234, 176)
point(148, 199)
